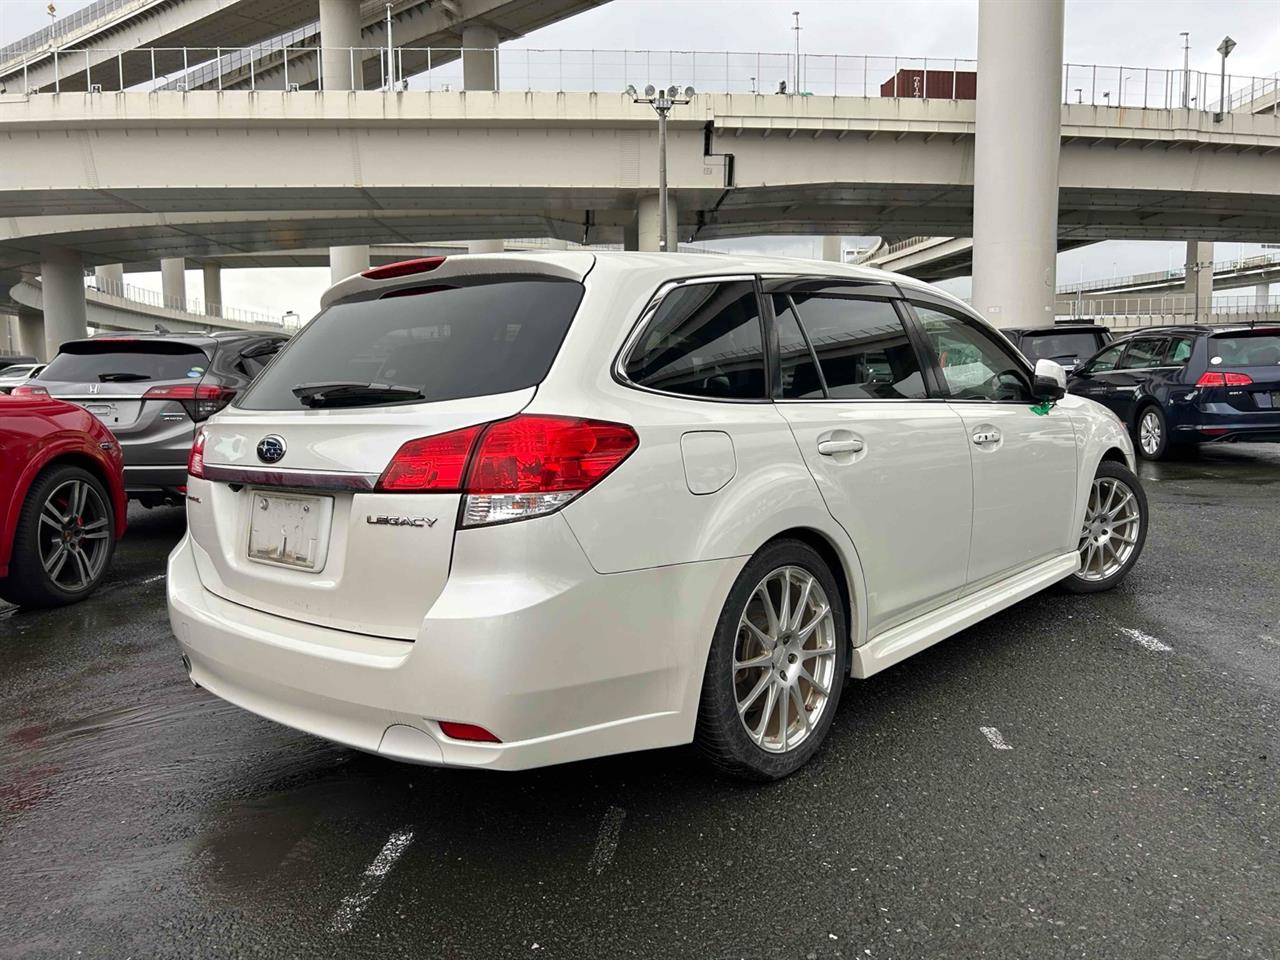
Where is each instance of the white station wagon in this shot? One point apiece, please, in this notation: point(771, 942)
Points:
point(512, 510)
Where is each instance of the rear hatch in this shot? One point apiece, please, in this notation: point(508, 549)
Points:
point(1249, 361)
point(1066, 347)
point(291, 519)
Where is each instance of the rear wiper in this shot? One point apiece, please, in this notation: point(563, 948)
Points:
point(343, 394)
point(121, 377)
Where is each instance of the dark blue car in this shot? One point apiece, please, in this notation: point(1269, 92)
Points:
point(1177, 386)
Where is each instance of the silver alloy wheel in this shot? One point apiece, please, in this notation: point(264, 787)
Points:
point(73, 535)
point(1112, 522)
point(784, 659)
point(1149, 432)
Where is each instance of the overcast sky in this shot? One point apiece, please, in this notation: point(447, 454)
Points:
point(1143, 33)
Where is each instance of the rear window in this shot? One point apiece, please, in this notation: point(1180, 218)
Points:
point(446, 341)
point(1245, 349)
point(109, 361)
point(1060, 346)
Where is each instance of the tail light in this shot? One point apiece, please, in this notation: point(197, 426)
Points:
point(28, 390)
point(195, 459)
point(200, 400)
point(403, 268)
point(514, 469)
point(1218, 378)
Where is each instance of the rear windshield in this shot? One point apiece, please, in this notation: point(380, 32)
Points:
point(104, 361)
point(448, 342)
point(1059, 346)
point(1245, 349)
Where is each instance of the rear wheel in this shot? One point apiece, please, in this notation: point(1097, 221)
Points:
point(1114, 529)
point(1151, 434)
point(64, 539)
point(777, 665)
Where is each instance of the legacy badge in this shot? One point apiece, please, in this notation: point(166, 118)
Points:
point(382, 521)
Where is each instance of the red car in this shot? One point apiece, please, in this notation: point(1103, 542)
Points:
point(62, 501)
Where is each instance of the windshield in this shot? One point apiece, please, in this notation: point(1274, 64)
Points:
point(444, 341)
point(1245, 349)
point(1055, 346)
point(102, 361)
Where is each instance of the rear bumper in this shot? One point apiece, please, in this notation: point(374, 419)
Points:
point(142, 480)
point(1222, 423)
point(561, 667)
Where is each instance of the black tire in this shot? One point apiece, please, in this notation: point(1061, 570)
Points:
point(28, 584)
point(1079, 582)
point(720, 734)
point(1164, 447)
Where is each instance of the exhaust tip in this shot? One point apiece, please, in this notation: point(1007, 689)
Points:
point(186, 665)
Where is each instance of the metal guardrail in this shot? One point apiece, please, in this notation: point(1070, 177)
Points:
point(1158, 276)
point(66, 25)
point(1172, 305)
point(130, 294)
point(292, 60)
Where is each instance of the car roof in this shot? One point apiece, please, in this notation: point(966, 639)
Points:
point(1060, 328)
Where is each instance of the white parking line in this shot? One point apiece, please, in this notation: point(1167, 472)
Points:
point(995, 737)
point(351, 907)
point(606, 840)
point(1146, 640)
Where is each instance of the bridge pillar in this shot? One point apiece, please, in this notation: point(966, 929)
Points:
point(555, 243)
point(485, 246)
point(1262, 294)
point(479, 58)
point(647, 223)
point(110, 278)
point(1199, 276)
point(62, 285)
point(339, 32)
point(212, 289)
point(1015, 182)
point(173, 282)
point(833, 249)
point(344, 261)
point(31, 333)
point(631, 235)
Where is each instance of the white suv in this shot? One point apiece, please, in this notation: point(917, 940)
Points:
point(512, 510)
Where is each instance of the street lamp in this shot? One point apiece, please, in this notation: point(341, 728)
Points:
point(662, 101)
point(1079, 94)
point(1224, 48)
point(1106, 95)
point(1186, 68)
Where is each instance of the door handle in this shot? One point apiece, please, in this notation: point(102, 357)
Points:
point(829, 448)
point(983, 437)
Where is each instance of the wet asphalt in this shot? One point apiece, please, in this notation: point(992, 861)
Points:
point(1134, 814)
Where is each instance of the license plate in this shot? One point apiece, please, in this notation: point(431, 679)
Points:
point(289, 530)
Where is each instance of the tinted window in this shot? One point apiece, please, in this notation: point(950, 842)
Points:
point(974, 364)
point(446, 341)
point(704, 341)
point(800, 379)
point(1179, 351)
point(1246, 349)
point(1059, 346)
point(862, 348)
point(1144, 352)
point(112, 361)
point(1106, 360)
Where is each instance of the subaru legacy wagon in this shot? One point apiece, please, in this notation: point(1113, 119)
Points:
point(511, 510)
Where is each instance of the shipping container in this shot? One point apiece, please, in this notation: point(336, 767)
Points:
point(933, 84)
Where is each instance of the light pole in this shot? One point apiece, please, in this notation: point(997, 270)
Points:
point(1079, 94)
point(662, 101)
point(1186, 68)
point(797, 28)
point(391, 70)
point(1224, 48)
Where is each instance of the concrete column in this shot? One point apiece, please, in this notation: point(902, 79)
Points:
point(479, 58)
point(1262, 294)
point(647, 222)
point(110, 278)
point(212, 289)
point(31, 333)
point(485, 246)
point(1199, 276)
point(555, 243)
point(339, 33)
point(1015, 189)
point(344, 261)
point(62, 283)
point(833, 249)
point(173, 282)
point(631, 235)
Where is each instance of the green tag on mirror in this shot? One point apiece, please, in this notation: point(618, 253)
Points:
point(1041, 409)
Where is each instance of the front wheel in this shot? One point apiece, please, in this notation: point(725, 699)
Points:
point(777, 665)
point(1114, 529)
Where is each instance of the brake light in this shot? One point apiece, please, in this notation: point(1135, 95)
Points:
point(195, 459)
point(527, 466)
point(467, 731)
point(200, 400)
point(1218, 378)
point(27, 390)
point(403, 268)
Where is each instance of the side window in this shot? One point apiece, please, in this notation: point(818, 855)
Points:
point(973, 363)
point(1179, 352)
point(800, 377)
point(704, 340)
point(1144, 352)
point(255, 355)
point(1106, 360)
point(862, 348)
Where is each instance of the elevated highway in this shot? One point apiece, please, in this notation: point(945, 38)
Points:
point(1262, 270)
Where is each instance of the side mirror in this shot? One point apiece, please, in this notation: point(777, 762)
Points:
point(1050, 381)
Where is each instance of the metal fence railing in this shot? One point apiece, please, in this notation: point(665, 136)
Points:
point(131, 294)
point(1258, 262)
point(66, 25)
point(1172, 308)
point(295, 61)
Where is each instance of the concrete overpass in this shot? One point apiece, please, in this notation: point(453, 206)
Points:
point(1257, 271)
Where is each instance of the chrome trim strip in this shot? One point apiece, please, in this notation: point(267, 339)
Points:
point(310, 479)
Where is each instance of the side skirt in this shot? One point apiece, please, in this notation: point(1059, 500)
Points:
point(915, 635)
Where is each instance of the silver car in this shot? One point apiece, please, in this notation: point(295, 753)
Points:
point(151, 390)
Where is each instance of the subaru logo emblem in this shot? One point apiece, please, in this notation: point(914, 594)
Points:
point(271, 449)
